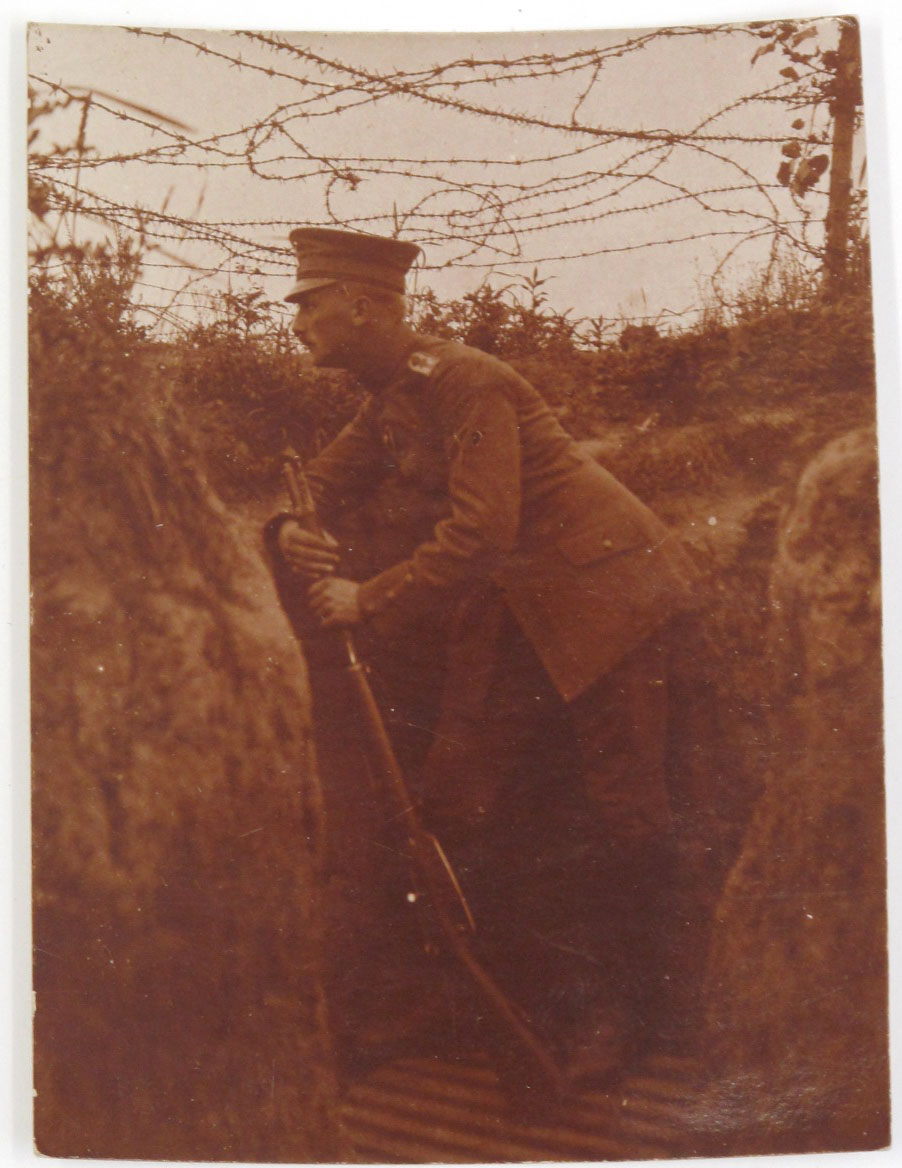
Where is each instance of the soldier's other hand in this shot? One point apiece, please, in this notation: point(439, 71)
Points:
point(335, 601)
point(305, 553)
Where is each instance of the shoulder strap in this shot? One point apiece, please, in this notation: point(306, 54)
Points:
point(422, 363)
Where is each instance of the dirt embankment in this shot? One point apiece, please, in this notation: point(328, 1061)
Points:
point(179, 1004)
point(796, 982)
point(777, 757)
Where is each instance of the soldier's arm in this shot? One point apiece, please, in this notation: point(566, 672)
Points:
point(479, 425)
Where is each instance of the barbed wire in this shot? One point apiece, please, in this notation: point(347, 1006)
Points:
point(474, 220)
point(184, 319)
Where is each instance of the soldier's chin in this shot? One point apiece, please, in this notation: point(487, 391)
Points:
point(329, 360)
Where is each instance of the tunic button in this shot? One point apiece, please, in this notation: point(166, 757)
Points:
point(608, 543)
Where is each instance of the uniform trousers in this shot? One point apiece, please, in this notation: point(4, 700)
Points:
point(556, 818)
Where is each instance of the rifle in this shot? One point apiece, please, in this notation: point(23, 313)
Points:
point(437, 894)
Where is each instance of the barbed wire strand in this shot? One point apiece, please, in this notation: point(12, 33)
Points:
point(500, 214)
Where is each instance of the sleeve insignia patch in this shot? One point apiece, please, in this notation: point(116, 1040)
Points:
point(423, 363)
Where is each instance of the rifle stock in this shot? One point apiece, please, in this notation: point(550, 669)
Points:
point(439, 899)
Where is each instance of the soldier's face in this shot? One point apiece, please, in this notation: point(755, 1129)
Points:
point(325, 325)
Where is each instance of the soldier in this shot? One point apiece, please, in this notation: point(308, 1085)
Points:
point(553, 586)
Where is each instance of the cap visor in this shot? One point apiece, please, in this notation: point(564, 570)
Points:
point(303, 286)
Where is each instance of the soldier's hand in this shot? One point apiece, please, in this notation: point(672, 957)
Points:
point(305, 553)
point(335, 601)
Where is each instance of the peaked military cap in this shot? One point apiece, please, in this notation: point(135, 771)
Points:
point(326, 256)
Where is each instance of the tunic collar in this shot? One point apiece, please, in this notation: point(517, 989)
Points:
point(377, 381)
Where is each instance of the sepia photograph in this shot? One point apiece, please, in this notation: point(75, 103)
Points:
point(457, 713)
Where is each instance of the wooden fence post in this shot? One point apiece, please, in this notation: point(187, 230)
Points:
point(845, 99)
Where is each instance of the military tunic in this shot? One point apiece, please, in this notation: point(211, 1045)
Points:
point(588, 571)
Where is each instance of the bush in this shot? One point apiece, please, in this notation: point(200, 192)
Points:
point(498, 322)
point(251, 392)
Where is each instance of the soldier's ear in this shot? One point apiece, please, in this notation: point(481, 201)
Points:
point(362, 309)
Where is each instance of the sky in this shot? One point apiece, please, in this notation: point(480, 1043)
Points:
point(634, 246)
